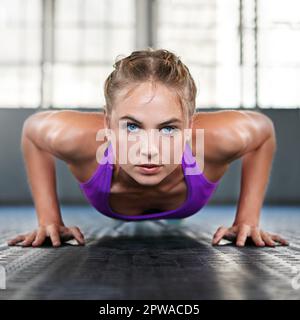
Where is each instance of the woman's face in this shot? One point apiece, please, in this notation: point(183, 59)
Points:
point(148, 128)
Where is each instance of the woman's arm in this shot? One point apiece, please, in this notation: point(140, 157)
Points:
point(256, 168)
point(40, 170)
point(257, 133)
point(47, 135)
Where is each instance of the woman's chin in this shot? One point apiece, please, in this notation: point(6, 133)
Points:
point(148, 180)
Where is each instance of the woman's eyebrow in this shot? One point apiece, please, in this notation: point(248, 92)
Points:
point(172, 120)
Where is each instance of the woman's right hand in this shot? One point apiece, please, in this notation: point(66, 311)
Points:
point(55, 232)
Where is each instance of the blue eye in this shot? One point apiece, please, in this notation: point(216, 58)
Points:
point(170, 131)
point(131, 127)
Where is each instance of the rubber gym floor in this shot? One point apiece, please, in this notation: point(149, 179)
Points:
point(151, 259)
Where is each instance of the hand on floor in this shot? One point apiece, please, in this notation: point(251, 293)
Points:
point(240, 233)
point(55, 232)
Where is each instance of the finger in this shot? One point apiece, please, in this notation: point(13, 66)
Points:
point(40, 238)
point(54, 236)
point(279, 239)
point(267, 239)
point(256, 237)
point(29, 239)
point(77, 235)
point(79, 231)
point(242, 236)
point(15, 240)
point(230, 236)
point(66, 234)
point(219, 235)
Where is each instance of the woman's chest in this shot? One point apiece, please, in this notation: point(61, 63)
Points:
point(136, 203)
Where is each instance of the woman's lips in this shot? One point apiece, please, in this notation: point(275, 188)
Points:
point(148, 169)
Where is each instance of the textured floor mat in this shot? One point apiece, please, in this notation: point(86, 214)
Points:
point(148, 260)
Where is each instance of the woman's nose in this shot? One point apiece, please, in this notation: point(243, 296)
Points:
point(150, 145)
point(149, 149)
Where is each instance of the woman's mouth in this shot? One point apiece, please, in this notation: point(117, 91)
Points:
point(149, 168)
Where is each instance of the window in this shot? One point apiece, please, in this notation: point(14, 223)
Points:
point(279, 53)
point(58, 53)
point(20, 53)
point(241, 53)
point(88, 35)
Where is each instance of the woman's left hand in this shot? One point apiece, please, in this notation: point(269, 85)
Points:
point(241, 232)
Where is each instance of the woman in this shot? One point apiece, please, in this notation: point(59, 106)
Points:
point(149, 91)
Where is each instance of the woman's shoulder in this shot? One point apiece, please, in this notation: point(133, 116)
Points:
point(70, 135)
point(223, 133)
point(220, 144)
point(86, 145)
point(76, 134)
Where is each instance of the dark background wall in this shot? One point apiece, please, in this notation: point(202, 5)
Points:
point(284, 184)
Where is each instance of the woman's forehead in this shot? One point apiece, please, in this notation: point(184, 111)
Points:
point(156, 100)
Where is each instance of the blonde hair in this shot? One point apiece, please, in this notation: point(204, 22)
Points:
point(160, 66)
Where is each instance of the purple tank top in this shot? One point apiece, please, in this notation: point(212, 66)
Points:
point(199, 189)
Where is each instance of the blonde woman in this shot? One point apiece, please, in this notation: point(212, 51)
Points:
point(149, 91)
